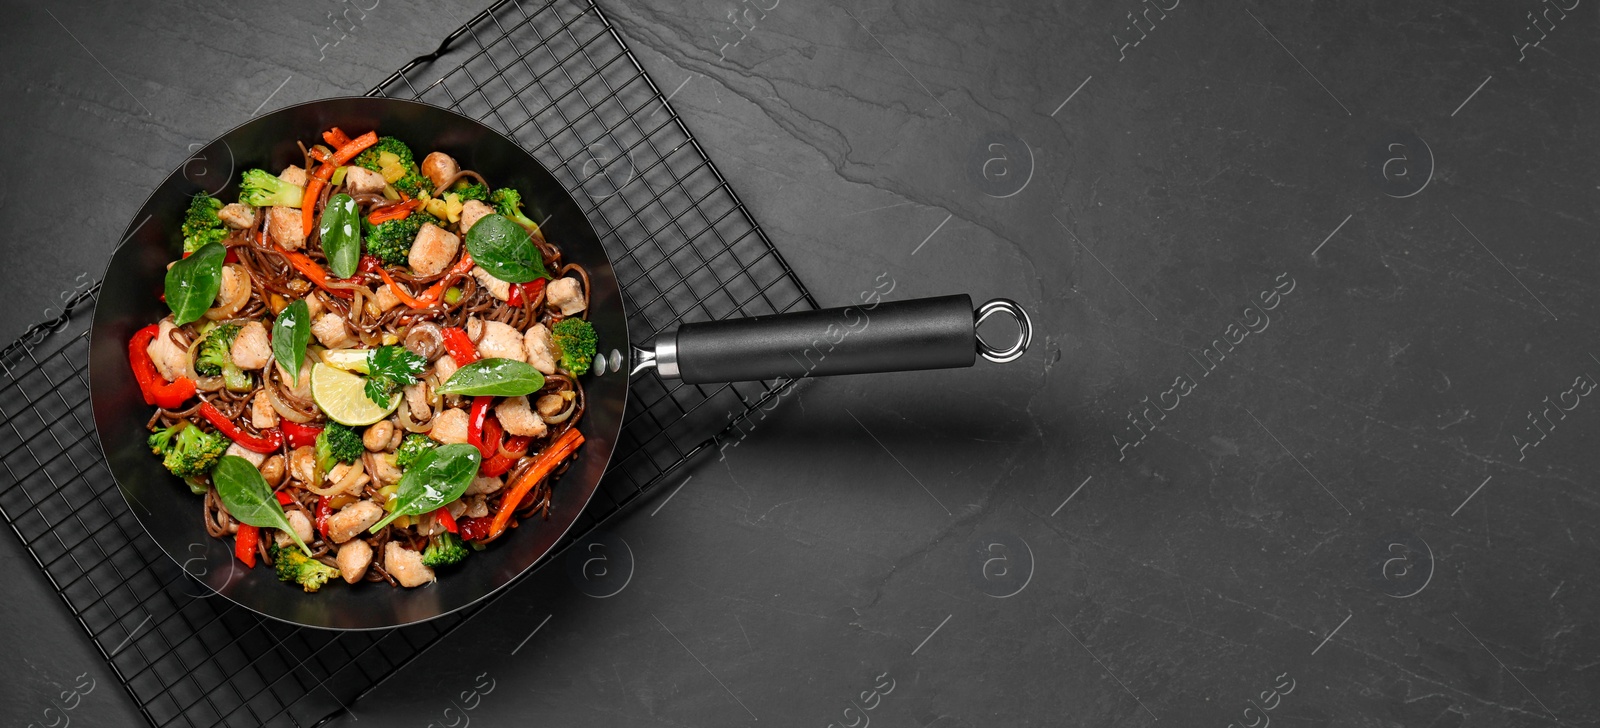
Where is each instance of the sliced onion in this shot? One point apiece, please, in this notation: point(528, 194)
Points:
point(282, 408)
point(228, 308)
point(572, 405)
point(411, 425)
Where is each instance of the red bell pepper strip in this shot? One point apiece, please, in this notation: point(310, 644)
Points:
point(445, 519)
point(283, 498)
point(244, 544)
point(436, 291)
point(324, 172)
point(523, 292)
point(156, 390)
point(460, 346)
point(269, 441)
point(399, 211)
point(300, 435)
point(546, 462)
point(476, 419)
point(475, 529)
point(513, 450)
point(323, 511)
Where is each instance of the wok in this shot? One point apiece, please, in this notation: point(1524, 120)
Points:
point(920, 334)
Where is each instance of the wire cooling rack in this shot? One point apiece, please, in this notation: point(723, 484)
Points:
point(557, 78)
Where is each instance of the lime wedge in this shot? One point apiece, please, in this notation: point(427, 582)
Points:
point(350, 360)
point(339, 394)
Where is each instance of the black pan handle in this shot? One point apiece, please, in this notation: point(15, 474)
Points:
point(925, 333)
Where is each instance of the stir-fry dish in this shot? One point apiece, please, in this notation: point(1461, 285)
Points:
point(371, 367)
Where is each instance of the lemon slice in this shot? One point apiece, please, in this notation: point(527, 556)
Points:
point(350, 360)
point(339, 394)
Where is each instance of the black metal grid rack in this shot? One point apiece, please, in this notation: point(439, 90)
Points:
point(554, 76)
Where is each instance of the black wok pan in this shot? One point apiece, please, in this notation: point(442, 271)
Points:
point(922, 334)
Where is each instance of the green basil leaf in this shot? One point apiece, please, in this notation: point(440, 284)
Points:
point(193, 283)
point(341, 235)
point(504, 249)
point(290, 334)
point(494, 377)
point(440, 476)
point(248, 498)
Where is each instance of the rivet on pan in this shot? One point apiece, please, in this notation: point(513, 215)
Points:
point(616, 360)
point(599, 364)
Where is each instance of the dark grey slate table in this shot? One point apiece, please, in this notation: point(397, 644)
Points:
point(1312, 287)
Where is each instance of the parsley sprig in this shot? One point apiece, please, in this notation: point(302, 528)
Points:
point(390, 368)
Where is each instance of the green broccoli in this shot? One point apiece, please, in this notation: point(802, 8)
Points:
point(412, 449)
point(201, 224)
point(444, 549)
point(414, 184)
point(293, 565)
point(576, 340)
point(216, 358)
point(368, 158)
point(391, 241)
point(187, 450)
point(471, 191)
point(337, 444)
point(508, 202)
point(264, 190)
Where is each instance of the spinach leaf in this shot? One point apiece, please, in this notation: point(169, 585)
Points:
point(341, 235)
point(440, 476)
point(504, 249)
point(290, 334)
point(193, 283)
point(497, 377)
point(249, 499)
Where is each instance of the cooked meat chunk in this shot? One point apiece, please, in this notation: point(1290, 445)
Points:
point(417, 401)
point(300, 523)
point(439, 167)
point(303, 464)
point(405, 565)
point(496, 287)
point(500, 341)
point(299, 387)
point(540, 353)
point(171, 360)
point(353, 559)
point(294, 175)
point(450, 427)
point(285, 227)
point(262, 415)
point(330, 330)
point(565, 295)
point(433, 250)
point(251, 349)
point(477, 506)
point(444, 367)
point(471, 213)
point(352, 520)
point(232, 295)
point(550, 405)
point(518, 419)
point(385, 298)
point(236, 450)
point(484, 486)
point(238, 216)
point(360, 180)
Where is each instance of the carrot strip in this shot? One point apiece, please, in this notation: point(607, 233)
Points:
point(543, 465)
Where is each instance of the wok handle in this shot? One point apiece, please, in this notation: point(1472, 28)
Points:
point(925, 333)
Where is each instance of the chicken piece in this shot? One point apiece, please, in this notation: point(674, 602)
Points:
point(406, 565)
point(171, 360)
point(303, 464)
point(439, 168)
point(417, 400)
point(496, 287)
point(550, 405)
point(383, 469)
point(471, 212)
point(457, 508)
point(500, 341)
point(301, 524)
point(385, 298)
point(450, 427)
point(360, 180)
point(353, 559)
point(294, 175)
point(232, 294)
point(565, 295)
point(351, 520)
point(484, 486)
point(285, 227)
point(300, 387)
point(347, 479)
point(251, 349)
point(314, 305)
point(236, 450)
point(331, 331)
point(433, 250)
point(444, 367)
point(541, 354)
point(238, 216)
point(477, 506)
point(262, 415)
point(517, 419)
point(377, 436)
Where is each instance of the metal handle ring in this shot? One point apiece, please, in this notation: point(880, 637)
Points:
point(1024, 330)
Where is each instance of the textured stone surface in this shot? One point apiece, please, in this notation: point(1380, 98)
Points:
point(1019, 544)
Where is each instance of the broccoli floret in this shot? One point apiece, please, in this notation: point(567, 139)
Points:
point(369, 157)
point(414, 184)
point(188, 451)
point(264, 190)
point(201, 224)
point(294, 566)
point(337, 444)
point(576, 340)
point(391, 241)
point(508, 202)
point(411, 449)
point(216, 358)
point(471, 191)
point(444, 549)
